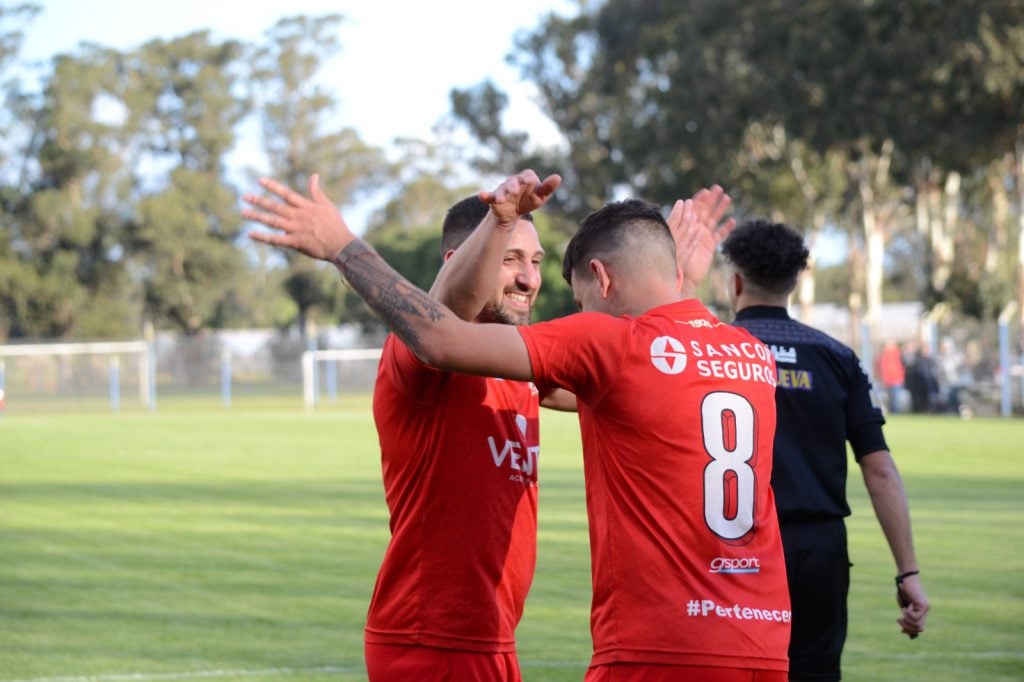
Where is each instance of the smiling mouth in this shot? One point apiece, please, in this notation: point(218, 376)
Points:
point(520, 300)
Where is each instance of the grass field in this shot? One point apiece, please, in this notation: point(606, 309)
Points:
point(200, 542)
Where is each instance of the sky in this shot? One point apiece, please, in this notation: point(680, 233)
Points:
point(398, 61)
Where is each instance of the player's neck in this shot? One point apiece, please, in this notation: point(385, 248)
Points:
point(748, 301)
point(656, 294)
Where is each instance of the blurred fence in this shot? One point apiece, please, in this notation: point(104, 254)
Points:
point(228, 365)
point(232, 365)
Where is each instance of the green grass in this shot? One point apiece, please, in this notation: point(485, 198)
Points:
point(198, 541)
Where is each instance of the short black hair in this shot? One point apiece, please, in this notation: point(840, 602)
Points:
point(603, 232)
point(769, 255)
point(462, 219)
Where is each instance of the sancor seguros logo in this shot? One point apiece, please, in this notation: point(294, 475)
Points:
point(668, 355)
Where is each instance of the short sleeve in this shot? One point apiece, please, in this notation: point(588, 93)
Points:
point(582, 353)
point(864, 418)
point(415, 380)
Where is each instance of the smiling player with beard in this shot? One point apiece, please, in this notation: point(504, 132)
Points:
point(688, 574)
point(456, 572)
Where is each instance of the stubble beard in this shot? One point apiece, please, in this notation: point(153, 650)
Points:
point(498, 314)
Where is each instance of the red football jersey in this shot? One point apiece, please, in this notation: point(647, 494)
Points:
point(677, 413)
point(459, 455)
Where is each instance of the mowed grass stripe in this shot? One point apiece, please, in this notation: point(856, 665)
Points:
point(245, 543)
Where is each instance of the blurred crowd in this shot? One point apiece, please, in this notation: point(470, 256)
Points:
point(915, 379)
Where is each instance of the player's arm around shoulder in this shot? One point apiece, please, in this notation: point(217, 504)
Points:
point(433, 332)
point(559, 399)
point(495, 350)
point(313, 225)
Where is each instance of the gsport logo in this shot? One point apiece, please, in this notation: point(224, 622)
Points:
point(735, 565)
point(668, 355)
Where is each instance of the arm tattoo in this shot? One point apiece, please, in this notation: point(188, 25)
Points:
point(405, 309)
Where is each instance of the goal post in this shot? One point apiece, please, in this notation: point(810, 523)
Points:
point(113, 351)
point(323, 364)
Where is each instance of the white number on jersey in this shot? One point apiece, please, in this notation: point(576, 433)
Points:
point(727, 423)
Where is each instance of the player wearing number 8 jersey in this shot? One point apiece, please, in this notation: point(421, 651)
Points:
point(677, 417)
point(677, 414)
point(677, 460)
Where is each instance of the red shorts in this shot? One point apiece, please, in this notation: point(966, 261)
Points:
point(652, 672)
point(402, 663)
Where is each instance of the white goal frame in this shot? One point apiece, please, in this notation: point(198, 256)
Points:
point(115, 349)
point(310, 383)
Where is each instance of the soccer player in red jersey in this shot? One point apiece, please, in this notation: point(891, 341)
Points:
point(459, 457)
point(449, 444)
point(677, 412)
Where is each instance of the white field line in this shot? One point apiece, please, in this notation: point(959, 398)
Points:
point(193, 675)
point(288, 672)
point(938, 656)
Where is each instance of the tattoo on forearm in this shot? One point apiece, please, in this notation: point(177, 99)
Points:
point(403, 308)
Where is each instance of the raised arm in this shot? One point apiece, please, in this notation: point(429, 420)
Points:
point(889, 499)
point(469, 275)
point(314, 226)
point(698, 229)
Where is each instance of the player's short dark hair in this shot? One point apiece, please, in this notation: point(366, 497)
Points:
point(461, 220)
point(769, 255)
point(603, 232)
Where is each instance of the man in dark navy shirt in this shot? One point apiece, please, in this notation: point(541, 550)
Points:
point(823, 400)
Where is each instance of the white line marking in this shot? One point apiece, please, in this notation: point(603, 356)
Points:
point(330, 669)
point(941, 655)
point(192, 675)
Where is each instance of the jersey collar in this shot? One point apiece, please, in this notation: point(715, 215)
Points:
point(763, 311)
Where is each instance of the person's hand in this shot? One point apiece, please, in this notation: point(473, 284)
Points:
point(697, 228)
point(519, 194)
point(913, 605)
point(313, 226)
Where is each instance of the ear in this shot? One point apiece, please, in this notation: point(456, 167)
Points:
point(447, 255)
point(601, 274)
point(737, 283)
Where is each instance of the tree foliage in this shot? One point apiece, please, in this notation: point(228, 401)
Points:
point(121, 208)
point(868, 117)
point(898, 126)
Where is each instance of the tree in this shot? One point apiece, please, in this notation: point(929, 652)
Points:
point(184, 240)
point(655, 98)
point(12, 17)
point(294, 110)
point(68, 210)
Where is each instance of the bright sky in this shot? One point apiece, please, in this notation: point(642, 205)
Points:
point(398, 60)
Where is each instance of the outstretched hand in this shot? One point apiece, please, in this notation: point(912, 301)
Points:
point(519, 194)
point(698, 229)
point(313, 226)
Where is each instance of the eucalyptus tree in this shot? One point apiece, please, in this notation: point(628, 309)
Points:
point(187, 97)
point(300, 136)
point(15, 272)
point(773, 99)
point(68, 211)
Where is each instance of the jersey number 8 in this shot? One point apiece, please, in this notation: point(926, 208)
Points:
point(727, 424)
